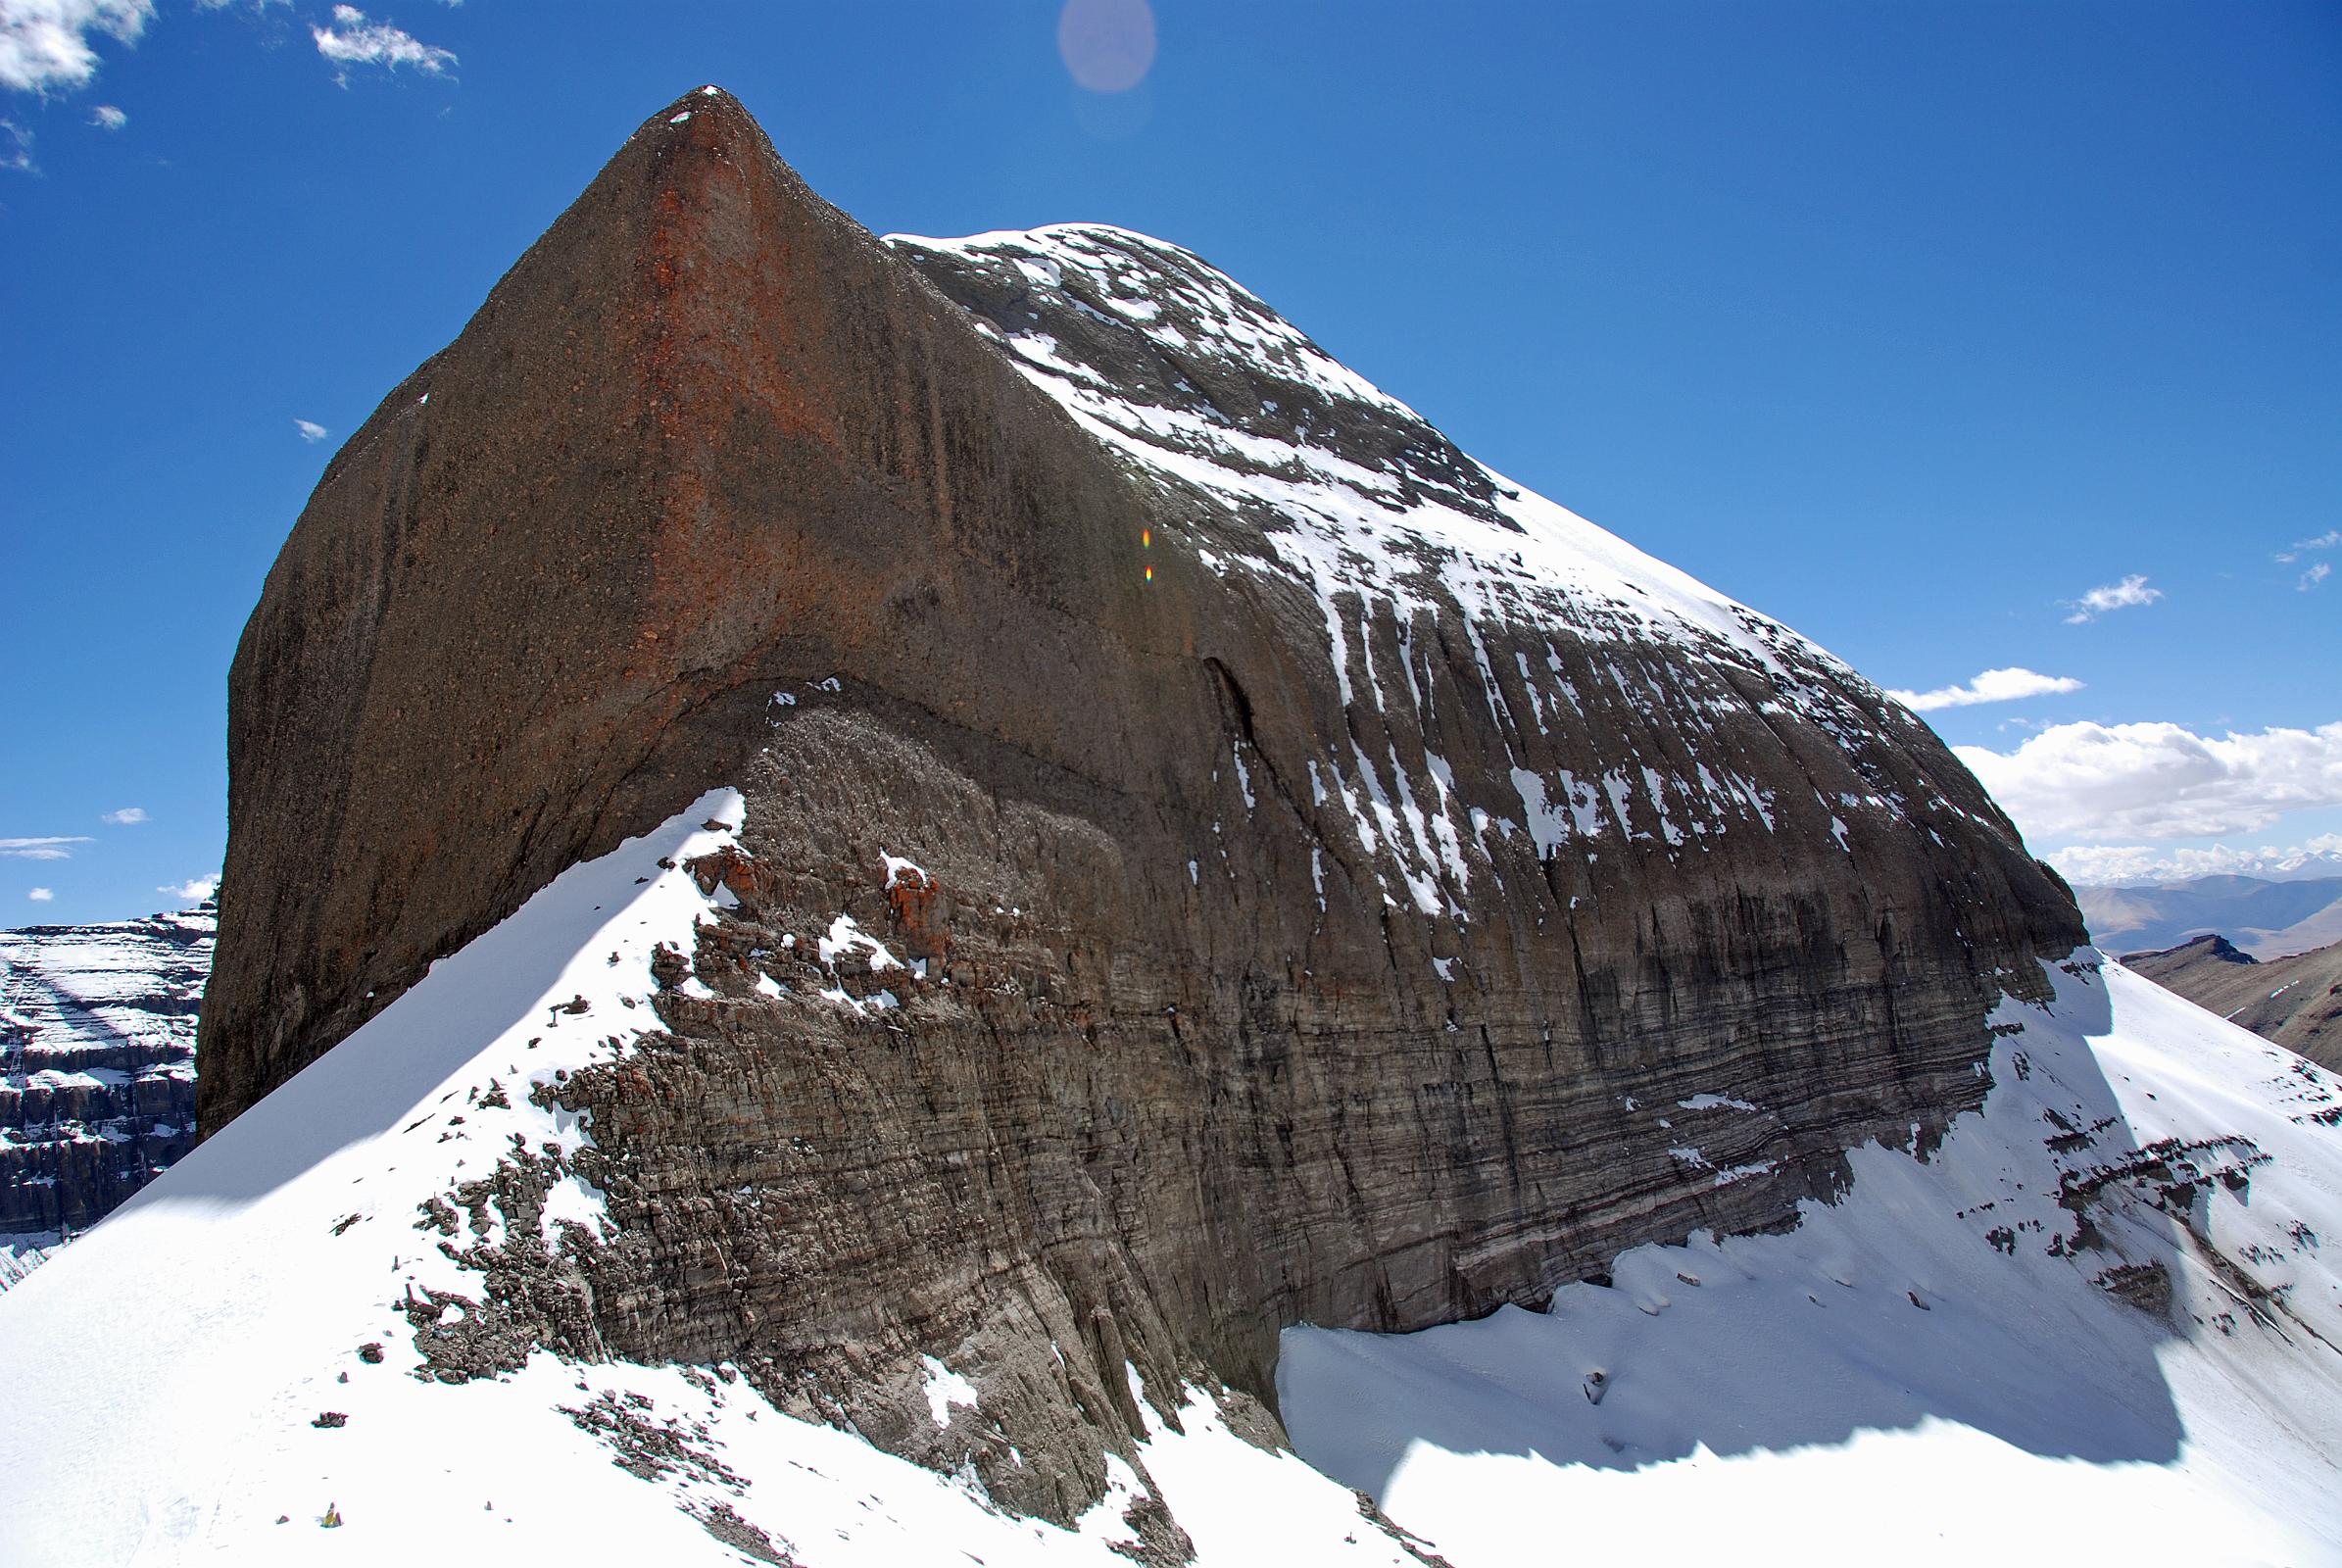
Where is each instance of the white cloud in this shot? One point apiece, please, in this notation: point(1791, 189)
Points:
point(53, 848)
point(2324, 541)
point(127, 816)
point(41, 894)
point(2110, 782)
point(1992, 686)
point(2131, 590)
point(2138, 864)
point(195, 889)
point(352, 40)
point(311, 430)
point(108, 117)
point(45, 44)
point(2314, 576)
point(16, 146)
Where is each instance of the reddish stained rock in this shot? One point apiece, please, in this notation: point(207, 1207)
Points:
point(1188, 1070)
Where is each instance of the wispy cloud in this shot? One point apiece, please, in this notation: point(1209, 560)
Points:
point(55, 846)
point(2131, 590)
point(41, 894)
point(311, 431)
point(353, 41)
point(16, 147)
point(108, 117)
point(2315, 576)
point(45, 44)
point(1992, 686)
point(2324, 541)
point(127, 816)
point(2101, 783)
point(194, 889)
point(2134, 864)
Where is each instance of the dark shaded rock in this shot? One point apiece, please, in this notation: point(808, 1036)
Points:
point(1138, 942)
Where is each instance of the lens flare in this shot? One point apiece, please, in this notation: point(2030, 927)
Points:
point(1107, 44)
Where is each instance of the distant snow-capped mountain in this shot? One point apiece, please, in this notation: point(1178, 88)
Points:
point(97, 1069)
point(2265, 917)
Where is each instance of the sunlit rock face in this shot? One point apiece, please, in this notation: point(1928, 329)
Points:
point(1216, 856)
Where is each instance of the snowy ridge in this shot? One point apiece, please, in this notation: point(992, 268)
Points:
point(1506, 552)
point(239, 1352)
point(2101, 1322)
point(1386, 524)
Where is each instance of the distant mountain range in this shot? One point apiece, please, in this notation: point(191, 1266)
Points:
point(2267, 917)
point(2296, 1002)
point(97, 1069)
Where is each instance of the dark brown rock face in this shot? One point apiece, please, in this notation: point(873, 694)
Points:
point(2296, 1002)
point(1339, 888)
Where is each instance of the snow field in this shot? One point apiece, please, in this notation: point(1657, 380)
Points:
point(1927, 1370)
point(228, 1357)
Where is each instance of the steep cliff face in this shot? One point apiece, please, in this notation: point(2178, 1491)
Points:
point(97, 1070)
point(1215, 856)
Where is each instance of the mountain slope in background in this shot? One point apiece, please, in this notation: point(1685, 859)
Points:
point(863, 866)
point(97, 1069)
point(2265, 917)
point(2296, 1002)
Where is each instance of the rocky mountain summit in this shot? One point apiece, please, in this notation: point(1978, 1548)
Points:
point(97, 1069)
point(1215, 856)
point(905, 886)
point(2296, 1000)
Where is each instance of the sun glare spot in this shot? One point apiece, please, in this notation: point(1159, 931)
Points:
point(1107, 44)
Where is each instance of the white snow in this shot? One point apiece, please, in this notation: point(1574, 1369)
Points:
point(160, 1380)
point(1374, 545)
point(1926, 1371)
point(945, 1389)
point(846, 935)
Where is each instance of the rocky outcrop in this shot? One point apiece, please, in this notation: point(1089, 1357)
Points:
point(2296, 1002)
point(97, 1069)
point(1216, 857)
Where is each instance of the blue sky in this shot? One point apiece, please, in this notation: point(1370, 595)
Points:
point(1910, 325)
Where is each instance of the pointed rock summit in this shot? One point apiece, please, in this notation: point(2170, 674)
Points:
point(1216, 856)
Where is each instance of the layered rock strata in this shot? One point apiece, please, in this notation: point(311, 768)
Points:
point(1216, 857)
point(97, 1063)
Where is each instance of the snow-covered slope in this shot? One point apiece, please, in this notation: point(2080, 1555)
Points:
point(2098, 1318)
point(233, 1356)
point(1360, 494)
point(2099, 1323)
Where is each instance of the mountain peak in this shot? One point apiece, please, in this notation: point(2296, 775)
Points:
point(1209, 854)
